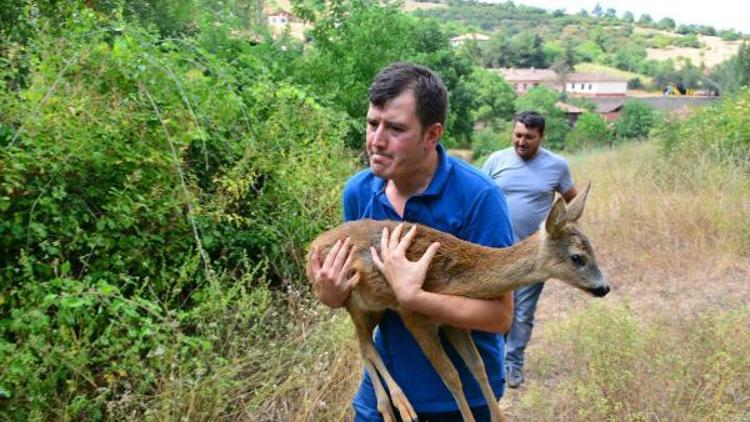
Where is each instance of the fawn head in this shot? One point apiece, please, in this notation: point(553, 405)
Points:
point(567, 250)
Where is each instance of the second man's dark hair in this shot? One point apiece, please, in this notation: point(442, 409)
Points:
point(531, 119)
point(429, 92)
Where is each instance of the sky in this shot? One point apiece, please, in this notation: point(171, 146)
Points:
point(721, 14)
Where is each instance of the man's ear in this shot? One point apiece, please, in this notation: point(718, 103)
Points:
point(433, 134)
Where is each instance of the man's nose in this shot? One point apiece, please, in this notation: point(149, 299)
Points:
point(378, 136)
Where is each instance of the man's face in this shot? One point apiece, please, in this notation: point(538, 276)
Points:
point(396, 144)
point(526, 141)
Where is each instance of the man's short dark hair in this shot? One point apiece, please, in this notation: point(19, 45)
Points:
point(531, 119)
point(429, 91)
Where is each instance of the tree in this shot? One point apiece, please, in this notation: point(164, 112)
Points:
point(543, 100)
point(590, 131)
point(666, 23)
point(529, 50)
point(494, 97)
point(564, 64)
point(628, 17)
point(589, 51)
point(610, 13)
point(352, 41)
point(645, 19)
point(498, 51)
point(597, 11)
point(733, 74)
point(635, 120)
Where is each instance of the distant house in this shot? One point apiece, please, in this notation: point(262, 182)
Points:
point(523, 80)
point(585, 84)
point(461, 39)
point(596, 85)
point(571, 111)
point(610, 110)
point(280, 18)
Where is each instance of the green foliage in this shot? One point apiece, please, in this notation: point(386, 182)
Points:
point(734, 73)
point(721, 131)
point(353, 41)
point(666, 23)
point(494, 97)
point(635, 120)
point(489, 140)
point(543, 100)
point(151, 193)
point(590, 131)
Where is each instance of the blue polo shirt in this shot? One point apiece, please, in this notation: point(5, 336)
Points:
point(459, 200)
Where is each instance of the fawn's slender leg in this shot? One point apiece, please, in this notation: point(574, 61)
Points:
point(464, 345)
point(365, 323)
point(426, 334)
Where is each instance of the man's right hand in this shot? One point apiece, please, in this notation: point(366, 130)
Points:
point(332, 286)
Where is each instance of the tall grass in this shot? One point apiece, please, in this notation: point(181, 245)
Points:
point(611, 364)
point(639, 355)
point(671, 342)
point(656, 212)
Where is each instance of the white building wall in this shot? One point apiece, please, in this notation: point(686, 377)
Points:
point(610, 88)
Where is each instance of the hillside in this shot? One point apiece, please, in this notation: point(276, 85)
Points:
point(524, 36)
point(712, 52)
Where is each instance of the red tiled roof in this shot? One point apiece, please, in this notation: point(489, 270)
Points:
point(569, 108)
point(594, 77)
point(527, 75)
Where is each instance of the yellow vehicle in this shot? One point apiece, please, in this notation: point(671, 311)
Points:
point(671, 90)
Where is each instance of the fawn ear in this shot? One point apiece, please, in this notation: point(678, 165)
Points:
point(556, 218)
point(575, 208)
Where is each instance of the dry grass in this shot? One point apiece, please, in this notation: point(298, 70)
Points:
point(714, 51)
point(671, 342)
point(600, 68)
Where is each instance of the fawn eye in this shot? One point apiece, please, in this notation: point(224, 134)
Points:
point(577, 260)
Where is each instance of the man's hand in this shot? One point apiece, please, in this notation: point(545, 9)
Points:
point(331, 283)
point(405, 277)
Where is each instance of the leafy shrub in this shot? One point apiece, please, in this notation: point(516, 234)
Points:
point(151, 193)
point(590, 131)
point(635, 120)
point(489, 140)
point(721, 131)
point(543, 100)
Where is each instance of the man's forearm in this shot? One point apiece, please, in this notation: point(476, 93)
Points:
point(475, 314)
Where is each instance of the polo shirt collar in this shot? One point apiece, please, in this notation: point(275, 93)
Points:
point(439, 179)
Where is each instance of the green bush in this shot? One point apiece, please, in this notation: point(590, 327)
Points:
point(721, 131)
point(489, 140)
point(591, 130)
point(635, 120)
point(543, 100)
point(151, 193)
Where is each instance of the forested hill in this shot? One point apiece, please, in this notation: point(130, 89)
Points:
point(524, 36)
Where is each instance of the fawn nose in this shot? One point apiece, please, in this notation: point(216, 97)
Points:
point(600, 291)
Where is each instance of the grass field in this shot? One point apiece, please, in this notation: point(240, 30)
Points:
point(670, 342)
point(600, 68)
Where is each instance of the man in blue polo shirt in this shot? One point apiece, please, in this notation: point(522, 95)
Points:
point(410, 178)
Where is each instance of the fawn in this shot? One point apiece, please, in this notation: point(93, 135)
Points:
point(558, 250)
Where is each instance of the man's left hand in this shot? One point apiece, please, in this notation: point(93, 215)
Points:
point(405, 277)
